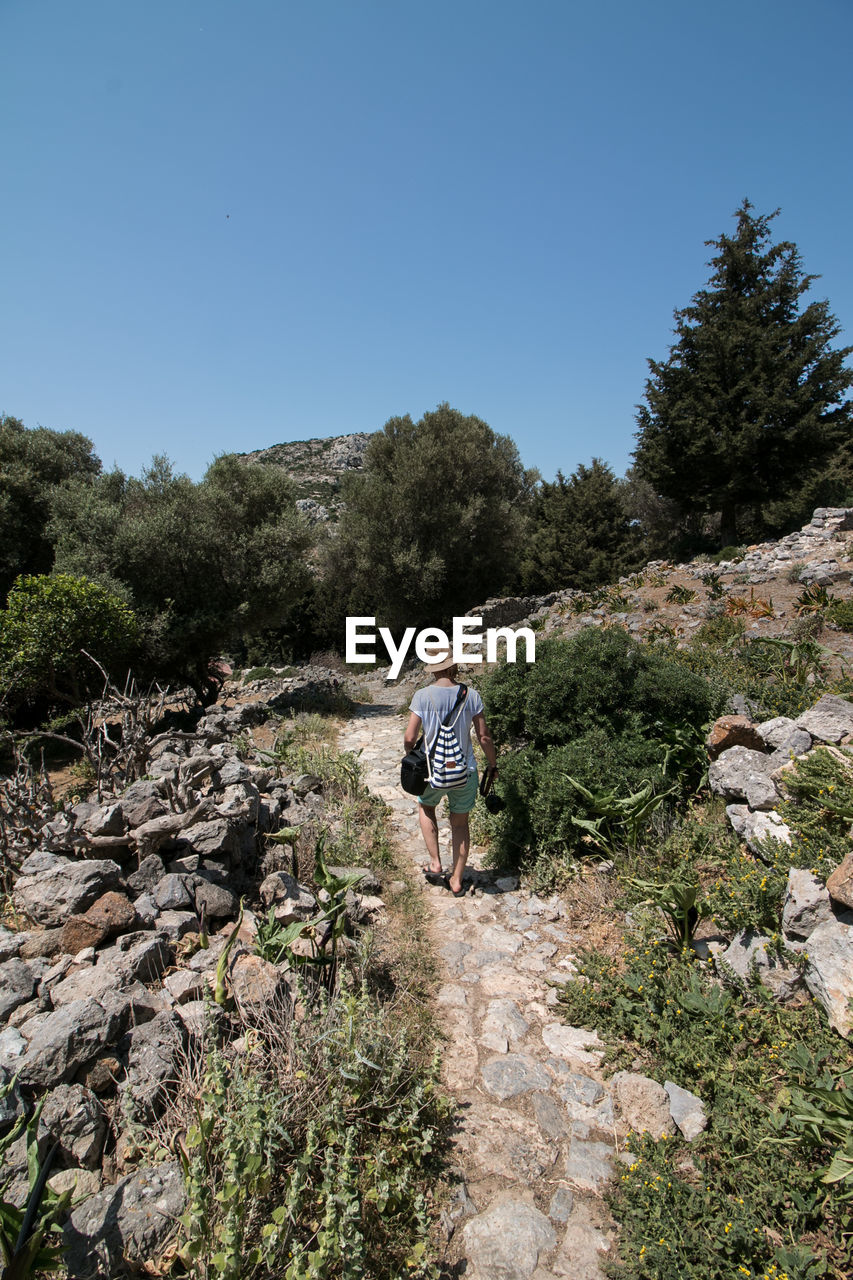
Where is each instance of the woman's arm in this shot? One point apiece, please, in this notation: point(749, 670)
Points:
point(485, 740)
point(413, 730)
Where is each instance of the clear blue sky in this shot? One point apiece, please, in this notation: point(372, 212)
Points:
point(226, 225)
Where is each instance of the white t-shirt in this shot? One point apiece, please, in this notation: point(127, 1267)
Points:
point(433, 704)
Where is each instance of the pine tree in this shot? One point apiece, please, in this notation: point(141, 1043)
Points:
point(580, 533)
point(750, 403)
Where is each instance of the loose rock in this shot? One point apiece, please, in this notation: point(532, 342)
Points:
point(506, 1242)
point(129, 1223)
point(643, 1103)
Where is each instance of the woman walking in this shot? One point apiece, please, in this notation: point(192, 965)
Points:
point(429, 707)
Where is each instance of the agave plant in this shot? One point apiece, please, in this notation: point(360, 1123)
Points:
point(274, 941)
point(813, 599)
point(714, 583)
point(616, 816)
point(27, 1234)
point(791, 662)
point(680, 902)
point(827, 1119)
point(680, 595)
point(220, 990)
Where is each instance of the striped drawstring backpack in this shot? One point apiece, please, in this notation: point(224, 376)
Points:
point(448, 762)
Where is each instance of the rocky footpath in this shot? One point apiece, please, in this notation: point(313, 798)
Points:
point(540, 1128)
point(119, 917)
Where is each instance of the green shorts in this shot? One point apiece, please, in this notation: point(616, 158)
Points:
point(460, 799)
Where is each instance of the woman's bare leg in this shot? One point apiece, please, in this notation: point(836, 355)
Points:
point(461, 837)
point(429, 831)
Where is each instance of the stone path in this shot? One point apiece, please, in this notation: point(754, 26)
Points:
point(536, 1134)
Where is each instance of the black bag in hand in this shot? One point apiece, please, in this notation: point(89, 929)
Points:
point(414, 768)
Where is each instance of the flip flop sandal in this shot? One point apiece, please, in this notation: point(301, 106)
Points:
point(435, 877)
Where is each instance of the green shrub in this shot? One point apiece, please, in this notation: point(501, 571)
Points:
point(714, 583)
point(734, 554)
point(743, 1197)
point(765, 1190)
point(779, 676)
point(680, 595)
point(599, 709)
point(719, 629)
point(259, 673)
point(48, 623)
point(819, 811)
point(596, 679)
point(841, 613)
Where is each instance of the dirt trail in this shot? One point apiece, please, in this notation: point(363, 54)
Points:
point(535, 1138)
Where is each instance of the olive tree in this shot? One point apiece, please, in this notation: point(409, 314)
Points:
point(58, 634)
point(32, 462)
point(433, 524)
point(202, 564)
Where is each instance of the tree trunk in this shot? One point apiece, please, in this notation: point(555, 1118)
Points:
point(728, 524)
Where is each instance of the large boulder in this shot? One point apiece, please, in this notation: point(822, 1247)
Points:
point(172, 893)
point(752, 953)
point(110, 915)
point(776, 732)
point(806, 904)
point(258, 986)
point(142, 802)
point(290, 899)
point(215, 838)
point(151, 870)
point(67, 1040)
point(755, 828)
point(18, 982)
point(142, 958)
point(153, 1068)
point(643, 1103)
point(198, 769)
point(217, 902)
point(241, 800)
point(106, 820)
point(733, 731)
point(145, 959)
point(840, 883)
point(829, 970)
point(10, 944)
point(125, 1227)
point(829, 720)
point(73, 1117)
point(734, 770)
point(64, 890)
point(687, 1110)
point(507, 1241)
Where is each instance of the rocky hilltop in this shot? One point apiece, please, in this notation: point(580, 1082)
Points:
point(764, 586)
point(316, 468)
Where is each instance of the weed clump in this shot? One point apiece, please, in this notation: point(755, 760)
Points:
point(308, 1155)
